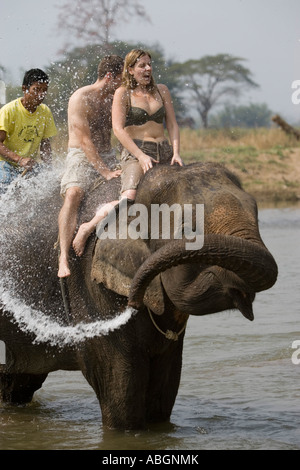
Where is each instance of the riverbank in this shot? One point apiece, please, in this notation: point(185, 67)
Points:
point(267, 161)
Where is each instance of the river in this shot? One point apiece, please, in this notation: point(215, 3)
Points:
point(239, 389)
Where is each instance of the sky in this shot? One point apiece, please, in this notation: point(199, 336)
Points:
point(266, 33)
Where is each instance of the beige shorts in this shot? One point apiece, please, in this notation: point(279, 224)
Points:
point(80, 173)
point(131, 169)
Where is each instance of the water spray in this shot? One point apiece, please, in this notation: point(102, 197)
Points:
point(28, 319)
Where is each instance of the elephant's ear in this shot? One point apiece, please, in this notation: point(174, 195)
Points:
point(115, 263)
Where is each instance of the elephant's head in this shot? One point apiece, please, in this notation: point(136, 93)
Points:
point(225, 273)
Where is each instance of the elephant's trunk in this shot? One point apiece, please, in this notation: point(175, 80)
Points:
point(252, 262)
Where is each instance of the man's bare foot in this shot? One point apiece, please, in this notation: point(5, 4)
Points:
point(63, 268)
point(82, 235)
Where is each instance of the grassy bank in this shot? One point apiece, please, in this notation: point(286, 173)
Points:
point(267, 161)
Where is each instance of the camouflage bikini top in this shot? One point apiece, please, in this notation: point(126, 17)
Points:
point(138, 116)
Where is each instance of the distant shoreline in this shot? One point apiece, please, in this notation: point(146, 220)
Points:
point(267, 161)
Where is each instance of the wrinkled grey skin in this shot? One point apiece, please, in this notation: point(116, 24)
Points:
point(135, 370)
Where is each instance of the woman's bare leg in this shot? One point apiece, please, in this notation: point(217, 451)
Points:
point(87, 228)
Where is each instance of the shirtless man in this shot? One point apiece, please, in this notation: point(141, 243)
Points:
point(90, 155)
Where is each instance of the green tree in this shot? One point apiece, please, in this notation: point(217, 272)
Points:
point(94, 21)
point(210, 79)
point(253, 115)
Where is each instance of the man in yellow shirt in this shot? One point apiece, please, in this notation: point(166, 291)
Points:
point(25, 128)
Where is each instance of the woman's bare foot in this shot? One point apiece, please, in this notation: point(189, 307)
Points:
point(82, 235)
point(63, 268)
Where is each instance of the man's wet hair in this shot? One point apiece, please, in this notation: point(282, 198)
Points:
point(110, 64)
point(34, 75)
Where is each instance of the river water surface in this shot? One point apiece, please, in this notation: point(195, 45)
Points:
point(240, 385)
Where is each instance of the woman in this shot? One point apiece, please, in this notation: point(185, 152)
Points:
point(139, 110)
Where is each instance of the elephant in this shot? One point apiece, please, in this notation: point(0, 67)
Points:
point(135, 369)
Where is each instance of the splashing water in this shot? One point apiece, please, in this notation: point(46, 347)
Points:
point(48, 331)
point(29, 319)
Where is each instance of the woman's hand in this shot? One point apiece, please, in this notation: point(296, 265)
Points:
point(176, 159)
point(146, 162)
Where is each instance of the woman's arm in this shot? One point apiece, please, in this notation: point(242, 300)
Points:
point(171, 123)
point(118, 123)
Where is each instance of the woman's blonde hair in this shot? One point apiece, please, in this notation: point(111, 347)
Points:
point(128, 81)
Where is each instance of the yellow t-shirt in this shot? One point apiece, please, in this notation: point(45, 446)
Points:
point(25, 130)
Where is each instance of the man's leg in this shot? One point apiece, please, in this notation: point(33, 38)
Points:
point(67, 222)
